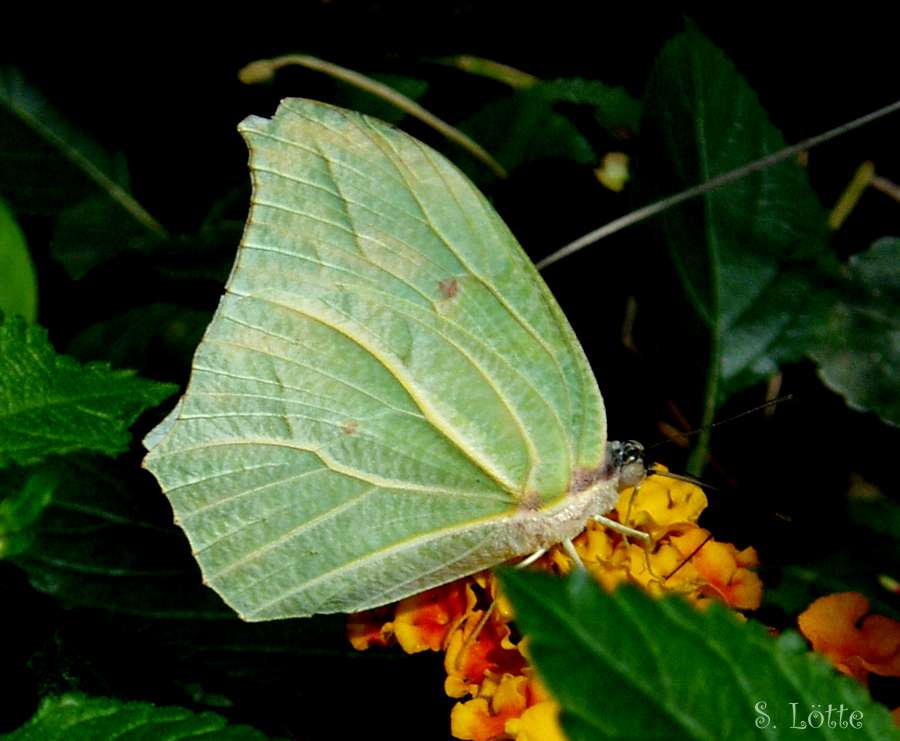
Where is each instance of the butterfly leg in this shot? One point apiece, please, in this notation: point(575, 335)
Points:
point(620, 528)
point(531, 559)
point(569, 548)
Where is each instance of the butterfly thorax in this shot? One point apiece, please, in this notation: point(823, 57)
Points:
point(591, 493)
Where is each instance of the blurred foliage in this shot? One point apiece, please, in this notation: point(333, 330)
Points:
point(78, 718)
point(18, 292)
point(859, 349)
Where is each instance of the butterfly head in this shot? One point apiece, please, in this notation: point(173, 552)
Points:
point(626, 457)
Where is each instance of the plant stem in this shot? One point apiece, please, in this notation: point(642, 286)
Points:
point(257, 71)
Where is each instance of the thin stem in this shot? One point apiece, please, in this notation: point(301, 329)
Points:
point(653, 209)
point(851, 195)
point(492, 70)
point(886, 186)
point(263, 69)
point(100, 178)
point(697, 459)
point(698, 456)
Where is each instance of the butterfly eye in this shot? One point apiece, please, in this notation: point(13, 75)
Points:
point(624, 453)
point(632, 452)
point(627, 460)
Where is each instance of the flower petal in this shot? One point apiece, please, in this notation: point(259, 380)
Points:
point(830, 624)
point(538, 723)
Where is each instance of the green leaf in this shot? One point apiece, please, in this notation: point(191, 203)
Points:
point(18, 288)
point(92, 232)
point(614, 107)
point(46, 163)
point(50, 404)
point(859, 351)
point(540, 131)
point(143, 337)
point(104, 541)
point(75, 717)
point(357, 427)
point(751, 254)
point(652, 668)
point(868, 546)
point(23, 498)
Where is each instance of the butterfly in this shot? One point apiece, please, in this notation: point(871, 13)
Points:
point(388, 396)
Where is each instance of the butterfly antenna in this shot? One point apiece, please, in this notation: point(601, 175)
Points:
point(725, 421)
point(654, 471)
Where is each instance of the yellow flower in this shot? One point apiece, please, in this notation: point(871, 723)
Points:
point(538, 723)
point(660, 504)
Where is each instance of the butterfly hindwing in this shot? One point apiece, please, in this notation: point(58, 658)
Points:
point(385, 381)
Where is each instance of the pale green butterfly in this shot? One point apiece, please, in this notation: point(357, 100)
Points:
point(388, 397)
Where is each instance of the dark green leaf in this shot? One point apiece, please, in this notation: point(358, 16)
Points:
point(46, 163)
point(868, 546)
point(75, 717)
point(879, 515)
point(750, 254)
point(662, 669)
point(18, 288)
point(141, 336)
point(614, 108)
point(23, 497)
point(107, 541)
point(50, 404)
point(92, 232)
point(859, 351)
point(526, 125)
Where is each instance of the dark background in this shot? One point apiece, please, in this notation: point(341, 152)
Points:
point(164, 91)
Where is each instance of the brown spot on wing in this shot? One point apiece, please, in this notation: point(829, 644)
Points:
point(531, 501)
point(448, 287)
point(349, 427)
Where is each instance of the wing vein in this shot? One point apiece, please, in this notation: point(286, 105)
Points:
point(377, 555)
point(348, 471)
point(284, 538)
point(430, 413)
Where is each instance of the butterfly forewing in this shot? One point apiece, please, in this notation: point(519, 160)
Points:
point(386, 380)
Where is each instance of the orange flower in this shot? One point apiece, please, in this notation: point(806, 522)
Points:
point(720, 570)
point(484, 718)
point(470, 621)
point(830, 623)
point(371, 628)
point(423, 621)
point(479, 649)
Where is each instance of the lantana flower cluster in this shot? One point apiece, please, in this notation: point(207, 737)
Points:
point(487, 666)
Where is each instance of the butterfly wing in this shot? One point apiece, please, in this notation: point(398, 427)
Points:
point(385, 383)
